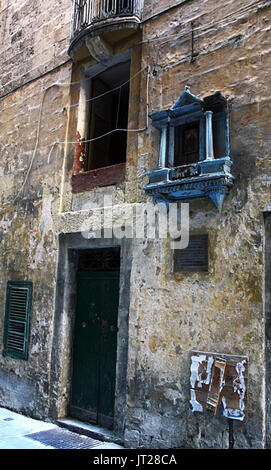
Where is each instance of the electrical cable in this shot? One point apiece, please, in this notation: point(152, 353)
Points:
point(34, 79)
point(37, 141)
point(118, 110)
point(111, 90)
point(212, 11)
point(118, 129)
point(166, 39)
point(166, 10)
point(205, 26)
point(75, 142)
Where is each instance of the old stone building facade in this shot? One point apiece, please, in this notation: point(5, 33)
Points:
point(96, 322)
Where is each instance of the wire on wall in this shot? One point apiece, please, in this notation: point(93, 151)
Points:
point(37, 137)
point(109, 91)
point(83, 141)
point(208, 26)
point(165, 39)
point(204, 29)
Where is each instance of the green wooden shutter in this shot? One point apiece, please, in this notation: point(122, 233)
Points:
point(16, 331)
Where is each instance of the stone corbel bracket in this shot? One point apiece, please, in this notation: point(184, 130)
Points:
point(214, 187)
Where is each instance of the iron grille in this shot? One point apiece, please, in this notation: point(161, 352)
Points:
point(63, 439)
point(87, 12)
point(17, 318)
point(95, 260)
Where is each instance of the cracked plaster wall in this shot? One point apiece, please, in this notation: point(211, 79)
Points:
point(169, 314)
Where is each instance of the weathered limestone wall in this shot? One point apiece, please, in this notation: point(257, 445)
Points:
point(222, 310)
point(28, 243)
point(35, 185)
point(34, 39)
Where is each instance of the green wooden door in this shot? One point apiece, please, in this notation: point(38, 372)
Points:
point(95, 347)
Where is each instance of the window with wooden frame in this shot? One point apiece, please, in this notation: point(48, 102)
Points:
point(108, 113)
point(100, 153)
point(17, 315)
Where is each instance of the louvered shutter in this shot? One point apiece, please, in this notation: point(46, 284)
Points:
point(18, 304)
point(194, 257)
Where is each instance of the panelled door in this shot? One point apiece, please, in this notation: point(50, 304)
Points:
point(95, 347)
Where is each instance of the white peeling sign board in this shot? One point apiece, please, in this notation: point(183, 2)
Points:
point(218, 384)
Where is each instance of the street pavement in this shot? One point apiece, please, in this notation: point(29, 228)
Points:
point(21, 432)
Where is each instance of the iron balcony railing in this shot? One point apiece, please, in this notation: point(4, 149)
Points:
point(88, 12)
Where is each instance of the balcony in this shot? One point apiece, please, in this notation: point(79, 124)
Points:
point(112, 20)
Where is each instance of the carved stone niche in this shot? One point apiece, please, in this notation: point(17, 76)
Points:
point(194, 151)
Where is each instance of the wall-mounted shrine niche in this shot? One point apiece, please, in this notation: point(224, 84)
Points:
point(219, 384)
point(194, 151)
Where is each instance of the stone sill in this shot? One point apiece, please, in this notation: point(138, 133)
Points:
point(101, 177)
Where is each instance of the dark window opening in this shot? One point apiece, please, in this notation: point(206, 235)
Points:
point(99, 260)
point(109, 112)
point(219, 135)
point(217, 103)
point(186, 144)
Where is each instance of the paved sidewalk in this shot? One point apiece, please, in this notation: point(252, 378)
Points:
point(20, 432)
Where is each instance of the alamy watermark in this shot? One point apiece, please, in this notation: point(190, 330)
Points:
point(143, 221)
